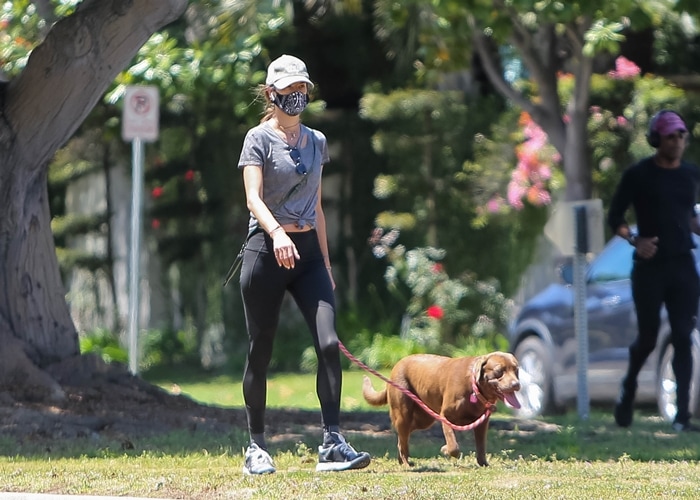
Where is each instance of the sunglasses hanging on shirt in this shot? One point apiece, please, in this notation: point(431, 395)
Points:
point(295, 154)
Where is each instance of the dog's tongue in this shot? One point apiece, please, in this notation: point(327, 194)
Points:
point(511, 400)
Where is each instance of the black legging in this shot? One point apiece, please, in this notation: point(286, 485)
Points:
point(673, 282)
point(263, 285)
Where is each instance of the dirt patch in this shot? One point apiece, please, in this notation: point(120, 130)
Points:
point(110, 402)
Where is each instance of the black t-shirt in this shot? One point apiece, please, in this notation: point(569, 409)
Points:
point(663, 200)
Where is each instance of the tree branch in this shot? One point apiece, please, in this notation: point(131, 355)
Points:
point(523, 39)
point(583, 70)
point(575, 36)
point(582, 88)
point(547, 115)
point(68, 73)
point(494, 73)
point(542, 68)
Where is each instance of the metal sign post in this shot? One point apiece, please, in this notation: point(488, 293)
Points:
point(580, 313)
point(576, 228)
point(139, 123)
point(137, 151)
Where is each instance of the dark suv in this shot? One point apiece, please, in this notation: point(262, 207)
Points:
point(543, 339)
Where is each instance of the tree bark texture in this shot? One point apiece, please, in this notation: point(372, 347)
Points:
point(40, 110)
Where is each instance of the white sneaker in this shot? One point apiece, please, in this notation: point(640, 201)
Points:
point(338, 455)
point(257, 461)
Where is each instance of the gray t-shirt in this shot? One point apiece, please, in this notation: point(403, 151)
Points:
point(263, 148)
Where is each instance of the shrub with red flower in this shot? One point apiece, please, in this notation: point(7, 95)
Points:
point(157, 192)
point(189, 175)
point(458, 304)
point(435, 312)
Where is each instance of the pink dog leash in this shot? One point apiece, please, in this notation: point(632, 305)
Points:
point(476, 395)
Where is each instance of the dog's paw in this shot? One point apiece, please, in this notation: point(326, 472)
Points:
point(455, 452)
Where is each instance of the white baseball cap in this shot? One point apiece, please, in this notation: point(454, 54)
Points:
point(286, 70)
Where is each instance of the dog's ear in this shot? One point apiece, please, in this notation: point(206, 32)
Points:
point(514, 360)
point(479, 364)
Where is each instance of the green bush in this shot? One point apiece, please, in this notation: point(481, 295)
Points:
point(167, 347)
point(381, 351)
point(105, 344)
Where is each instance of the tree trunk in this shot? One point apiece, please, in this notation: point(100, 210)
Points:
point(576, 154)
point(39, 111)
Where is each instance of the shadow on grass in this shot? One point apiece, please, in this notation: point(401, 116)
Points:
point(560, 438)
point(556, 438)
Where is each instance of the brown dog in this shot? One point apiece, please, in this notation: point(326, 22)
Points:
point(459, 389)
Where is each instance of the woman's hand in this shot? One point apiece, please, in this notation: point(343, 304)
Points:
point(646, 247)
point(286, 251)
point(330, 275)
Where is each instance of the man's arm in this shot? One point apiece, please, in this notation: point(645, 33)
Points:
point(621, 200)
point(695, 224)
point(625, 232)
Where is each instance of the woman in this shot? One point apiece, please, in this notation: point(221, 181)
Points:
point(282, 161)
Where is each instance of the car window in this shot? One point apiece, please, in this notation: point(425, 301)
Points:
point(613, 264)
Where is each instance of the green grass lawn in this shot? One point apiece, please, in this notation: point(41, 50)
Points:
point(283, 390)
point(570, 459)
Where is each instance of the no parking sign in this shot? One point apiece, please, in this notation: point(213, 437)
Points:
point(140, 115)
point(139, 124)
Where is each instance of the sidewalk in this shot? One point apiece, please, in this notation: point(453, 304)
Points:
point(40, 496)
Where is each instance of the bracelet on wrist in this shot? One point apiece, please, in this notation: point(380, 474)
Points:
point(273, 231)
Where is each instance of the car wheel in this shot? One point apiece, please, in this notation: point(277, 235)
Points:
point(666, 382)
point(535, 393)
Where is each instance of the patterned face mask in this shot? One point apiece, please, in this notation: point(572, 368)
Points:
point(292, 104)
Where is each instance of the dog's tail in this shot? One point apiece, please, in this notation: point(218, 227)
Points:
point(375, 398)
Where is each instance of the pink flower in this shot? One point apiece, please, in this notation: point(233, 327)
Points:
point(545, 173)
point(435, 312)
point(537, 196)
point(189, 175)
point(157, 192)
point(494, 204)
point(519, 175)
point(515, 195)
point(624, 69)
point(545, 197)
point(437, 268)
point(155, 223)
point(532, 170)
